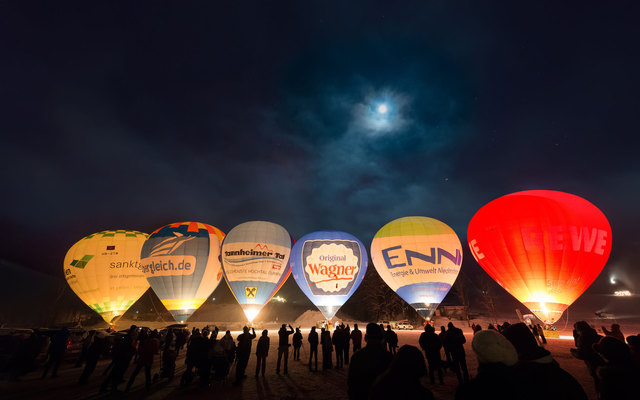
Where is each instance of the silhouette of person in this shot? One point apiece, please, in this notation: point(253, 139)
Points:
point(402, 379)
point(313, 347)
point(94, 351)
point(346, 344)
point(496, 377)
point(455, 340)
point(431, 345)
point(338, 343)
point(147, 348)
point(445, 346)
point(356, 338)
point(243, 352)
point(229, 346)
point(585, 337)
point(367, 364)
point(619, 375)
point(327, 348)
point(537, 368)
point(283, 347)
point(59, 342)
point(615, 332)
point(297, 343)
point(124, 349)
point(392, 339)
point(262, 351)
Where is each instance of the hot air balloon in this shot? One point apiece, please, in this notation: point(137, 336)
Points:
point(182, 264)
point(544, 247)
point(328, 266)
point(419, 258)
point(103, 269)
point(255, 262)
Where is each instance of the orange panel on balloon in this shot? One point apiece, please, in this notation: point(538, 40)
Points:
point(544, 247)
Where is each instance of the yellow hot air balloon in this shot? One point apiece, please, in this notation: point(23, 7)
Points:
point(103, 269)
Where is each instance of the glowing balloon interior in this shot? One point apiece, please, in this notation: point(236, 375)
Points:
point(544, 247)
point(419, 258)
point(182, 264)
point(103, 270)
point(255, 262)
point(328, 266)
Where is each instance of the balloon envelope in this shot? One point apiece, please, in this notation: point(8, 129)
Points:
point(182, 264)
point(103, 269)
point(255, 262)
point(419, 258)
point(328, 266)
point(544, 247)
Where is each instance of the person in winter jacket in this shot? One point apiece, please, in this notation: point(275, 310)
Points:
point(262, 351)
point(618, 375)
point(584, 338)
point(496, 378)
point(455, 340)
point(537, 368)
point(297, 343)
point(431, 345)
point(313, 347)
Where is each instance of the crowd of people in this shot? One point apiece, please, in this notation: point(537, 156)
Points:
point(510, 357)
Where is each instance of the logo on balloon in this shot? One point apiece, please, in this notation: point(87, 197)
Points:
point(331, 266)
point(250, 292)
point(81, 263)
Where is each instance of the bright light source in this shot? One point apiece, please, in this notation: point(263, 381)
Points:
point(612, 280)
point(383, 109)
point(251, 313)
point(280, 299)
point(622, 293)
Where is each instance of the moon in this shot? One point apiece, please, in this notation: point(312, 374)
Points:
point(382, 108)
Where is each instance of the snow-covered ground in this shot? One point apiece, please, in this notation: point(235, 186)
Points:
point(299, 384)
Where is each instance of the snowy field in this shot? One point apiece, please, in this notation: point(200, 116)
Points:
point(299, 384)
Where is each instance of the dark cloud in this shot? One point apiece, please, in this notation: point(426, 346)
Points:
point(137, 116)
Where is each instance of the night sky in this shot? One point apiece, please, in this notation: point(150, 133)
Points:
point(133, 115)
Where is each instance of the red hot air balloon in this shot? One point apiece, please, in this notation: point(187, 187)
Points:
point(544, 247)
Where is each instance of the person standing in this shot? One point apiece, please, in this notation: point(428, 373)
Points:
point(95, 350)
point(124, 349)
point(327, 348)
point(229, 346)
point(447, 353)
point(367, 364)
point(297, 343)
point(338, 343)
point(283, 347)
point(147, 348)
point(392, 340)
point(431, 345)
point(456, 340)
point(356, 338)
point(262, 351)
point(313, 346)
point(59, 342)
point(243, 352)
point(346, 345)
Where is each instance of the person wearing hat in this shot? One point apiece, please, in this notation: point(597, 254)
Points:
point(618, 376)
point(367, 364)
point(537, 368)
point(496, 377)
